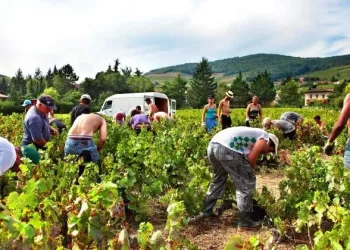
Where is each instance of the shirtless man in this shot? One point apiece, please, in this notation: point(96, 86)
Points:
point(224, 111)
point(160, 115)
point(81, 133)
point(152, 108)
point(338, 127)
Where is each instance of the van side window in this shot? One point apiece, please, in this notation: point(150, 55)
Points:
point(108, 105)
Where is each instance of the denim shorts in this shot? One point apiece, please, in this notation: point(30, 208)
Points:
point(76, 147)
point(347, 154)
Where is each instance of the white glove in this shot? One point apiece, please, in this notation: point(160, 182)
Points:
point(203, 124)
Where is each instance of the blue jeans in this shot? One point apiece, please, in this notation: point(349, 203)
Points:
point(210, 123)
point(76, 147)
point(347, 154)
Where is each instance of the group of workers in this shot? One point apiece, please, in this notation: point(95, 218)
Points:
point(40, 123)
point(232, 152)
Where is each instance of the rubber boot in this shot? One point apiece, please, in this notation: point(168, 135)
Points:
point(246, 223)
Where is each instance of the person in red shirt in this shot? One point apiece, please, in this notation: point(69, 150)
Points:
point(120, 118)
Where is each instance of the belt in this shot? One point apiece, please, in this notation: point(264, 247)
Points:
point(80, 138)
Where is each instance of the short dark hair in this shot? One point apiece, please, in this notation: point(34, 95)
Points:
point(317, 117)
point(211, 97)
point(134, 112)
point(147, 99)
point(138, 107)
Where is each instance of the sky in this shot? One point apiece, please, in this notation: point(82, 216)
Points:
point(149, 34)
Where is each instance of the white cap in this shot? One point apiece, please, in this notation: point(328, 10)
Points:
point(7, 155)
point(275, 141)
point(85, 96)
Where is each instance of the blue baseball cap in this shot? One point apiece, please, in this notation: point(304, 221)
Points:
point(26, 103)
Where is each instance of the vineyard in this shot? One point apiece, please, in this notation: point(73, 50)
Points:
point(148, 186)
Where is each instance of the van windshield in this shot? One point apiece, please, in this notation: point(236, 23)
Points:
point(107, 105)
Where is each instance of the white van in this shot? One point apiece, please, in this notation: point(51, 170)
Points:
point(127, 102)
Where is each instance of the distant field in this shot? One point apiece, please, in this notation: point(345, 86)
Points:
point(161, 78)
point(338, 72)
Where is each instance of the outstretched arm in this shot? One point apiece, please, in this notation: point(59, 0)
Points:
point(256, 151)
point(342, 120)
point(219, 110)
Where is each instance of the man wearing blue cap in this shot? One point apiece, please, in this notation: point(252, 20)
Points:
point(37, 129)
point(26, 104)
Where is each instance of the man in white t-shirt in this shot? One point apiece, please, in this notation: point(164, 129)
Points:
point(10, 156)
point(234, 151)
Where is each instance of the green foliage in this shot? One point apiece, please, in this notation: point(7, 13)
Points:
point(139, 84)
point(263, 87)
point(53, 93)
point(60, 84)
point(240, 90)
point(176, 89)
point(290, 94)
point(202, 84)
point(278, 66)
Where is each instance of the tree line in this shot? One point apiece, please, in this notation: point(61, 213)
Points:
point(61, 83)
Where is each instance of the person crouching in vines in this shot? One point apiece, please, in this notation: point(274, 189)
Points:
point(253, 111)
point(234, 151)
point(209, 117)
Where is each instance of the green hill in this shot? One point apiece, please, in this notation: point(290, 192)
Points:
point(279, 66)
point(339, 72)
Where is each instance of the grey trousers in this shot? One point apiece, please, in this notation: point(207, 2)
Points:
point(227, 162)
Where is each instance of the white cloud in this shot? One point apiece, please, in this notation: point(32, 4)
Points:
point(155, 33)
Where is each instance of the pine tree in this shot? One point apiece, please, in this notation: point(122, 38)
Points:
point(202, 85)
point(176, 89)
point(19, 82)
point(3, 86)
point(30, 86)
point(240, 90)
point(116, 65)
point(55, 71)
point(38, 75)
point(263, 87)
point(68, 73)
point(138, 72)
point(109, 69)
point(49, 78)
point(290, 94)
point(127, 71)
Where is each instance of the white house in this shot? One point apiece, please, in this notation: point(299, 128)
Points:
point(317, 94)
point(3, 97)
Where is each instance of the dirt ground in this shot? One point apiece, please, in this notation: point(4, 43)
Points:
point(213, 233)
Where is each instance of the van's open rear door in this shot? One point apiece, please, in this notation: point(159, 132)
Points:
point(173, 107)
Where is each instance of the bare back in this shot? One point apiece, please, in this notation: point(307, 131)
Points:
point(87, 124)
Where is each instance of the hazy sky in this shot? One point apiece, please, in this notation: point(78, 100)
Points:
point(150, 34)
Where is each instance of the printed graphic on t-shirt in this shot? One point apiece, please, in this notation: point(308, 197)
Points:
point(239, 143)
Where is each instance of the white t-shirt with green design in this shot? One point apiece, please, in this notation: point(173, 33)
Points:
point(240, 139)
